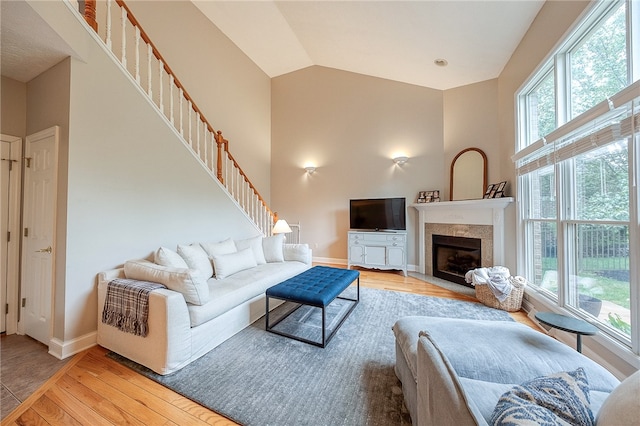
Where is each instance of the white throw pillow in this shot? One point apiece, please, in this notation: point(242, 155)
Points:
point(189, 282)
point(256, 246)
point(196, 258)
point(272, 247)
point(298, 252)
point(622, 406)
point(228, 264)
point(223, 247)
point(167, 257)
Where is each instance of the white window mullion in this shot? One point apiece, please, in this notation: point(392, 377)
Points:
point(634, 239)
point(563, 89)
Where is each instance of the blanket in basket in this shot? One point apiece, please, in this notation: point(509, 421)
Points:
point(127, 305)
point(496, 277)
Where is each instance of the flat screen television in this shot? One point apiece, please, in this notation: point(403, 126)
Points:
point(378, 214)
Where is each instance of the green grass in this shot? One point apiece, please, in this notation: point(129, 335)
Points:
point(614, 291)
point(604, 288)
point(604, 263)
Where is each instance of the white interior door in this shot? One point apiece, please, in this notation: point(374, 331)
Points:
point(5, 164)
point(10, 210)
point(38, 243)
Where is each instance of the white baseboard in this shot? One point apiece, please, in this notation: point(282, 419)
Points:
point(62, 350)
point(330, 260)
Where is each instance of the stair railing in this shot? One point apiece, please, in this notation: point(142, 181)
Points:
point(130, 45)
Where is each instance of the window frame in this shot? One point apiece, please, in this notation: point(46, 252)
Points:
point(557, 62)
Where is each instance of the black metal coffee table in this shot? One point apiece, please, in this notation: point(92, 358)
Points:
point(568, 324)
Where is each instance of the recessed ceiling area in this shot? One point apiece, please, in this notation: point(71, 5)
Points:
point(395, 40)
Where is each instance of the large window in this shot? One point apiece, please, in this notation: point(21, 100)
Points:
point(577, 176)
point(598, 62)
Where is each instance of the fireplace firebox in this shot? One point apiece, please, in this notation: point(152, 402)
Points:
point(453, 257)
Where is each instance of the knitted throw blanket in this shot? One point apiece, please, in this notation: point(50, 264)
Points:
point(127, 305)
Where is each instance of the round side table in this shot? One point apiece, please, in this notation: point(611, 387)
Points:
point(569, 324)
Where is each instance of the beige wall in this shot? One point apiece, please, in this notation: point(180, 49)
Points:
point(229, 88)
point(13, 110)
point(350, 126)
point(471, 120)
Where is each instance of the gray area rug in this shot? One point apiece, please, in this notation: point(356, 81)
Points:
point(259, 378)
point(457, 288)
point(306, 321)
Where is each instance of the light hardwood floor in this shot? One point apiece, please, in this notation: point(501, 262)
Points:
point(92, 389)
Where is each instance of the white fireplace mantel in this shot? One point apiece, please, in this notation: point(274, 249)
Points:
point(488, 211)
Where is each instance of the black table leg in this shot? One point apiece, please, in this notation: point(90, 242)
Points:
point(579, 343)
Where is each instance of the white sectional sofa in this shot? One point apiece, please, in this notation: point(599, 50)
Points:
point(197, 312)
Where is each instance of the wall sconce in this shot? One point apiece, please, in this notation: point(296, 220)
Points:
point(310, 169)
point(400, 160)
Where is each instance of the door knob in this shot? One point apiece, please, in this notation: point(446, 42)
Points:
point(45, 250)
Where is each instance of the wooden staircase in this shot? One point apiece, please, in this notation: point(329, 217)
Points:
point(132, 48)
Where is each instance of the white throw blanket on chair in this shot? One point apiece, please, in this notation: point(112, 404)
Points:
point(496, 277)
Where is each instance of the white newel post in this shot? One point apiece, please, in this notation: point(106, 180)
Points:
point(466, 212)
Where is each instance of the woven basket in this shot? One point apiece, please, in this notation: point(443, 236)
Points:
point(512, 303)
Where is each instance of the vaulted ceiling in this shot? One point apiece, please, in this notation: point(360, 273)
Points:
point(395, 40)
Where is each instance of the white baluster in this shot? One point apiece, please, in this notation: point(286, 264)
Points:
point(124, 37)
point(229, 173)
point(138, 54)
point(181, 113)
point(109, 25)
point(198, 134)
point(213, 154)
point(149, 55)
point(250, 206)
point(244, 194)
point(161, 85)
point(206, 145)
point(190, 105)
point(227, 176)
point(171, 84)
point(256, 211)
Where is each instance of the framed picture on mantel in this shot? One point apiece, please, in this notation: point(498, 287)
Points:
point(487, 193)
point(428, 196)
point(495, 190)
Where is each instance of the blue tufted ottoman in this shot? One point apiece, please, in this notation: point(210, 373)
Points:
point(318, 287)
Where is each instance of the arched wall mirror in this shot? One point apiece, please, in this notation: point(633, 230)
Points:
point(468, 175)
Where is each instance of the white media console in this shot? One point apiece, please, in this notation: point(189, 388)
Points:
point(378, 250)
